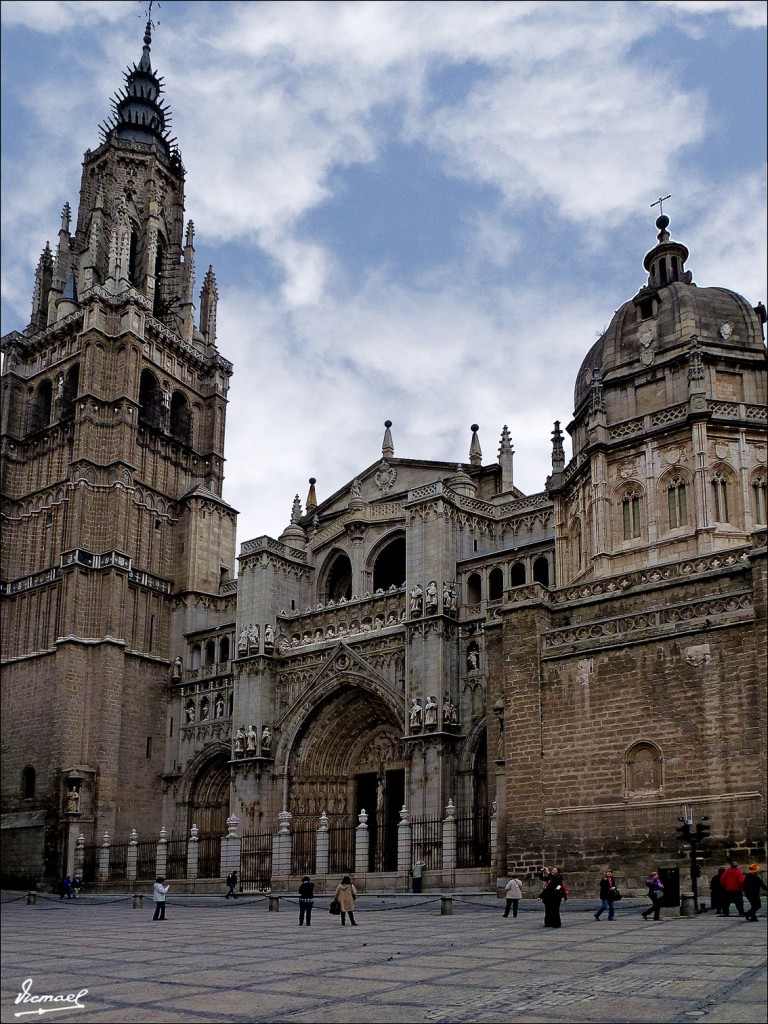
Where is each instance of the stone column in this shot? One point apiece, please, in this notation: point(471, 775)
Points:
point(192, 852)
point(133, 856)
point(362, 840)
point(494, 840)
point(404, 849)
point(230, 848)
point(282, 847)
point(162, 853)
point(104, 859)
point(80, 855)
point(449, 845)
point(322, 848)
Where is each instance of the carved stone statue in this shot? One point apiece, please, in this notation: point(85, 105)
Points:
point(73, 800)
point(430, 712)
point(356, 488)
point(380, 796)
point(253, 639)
point(205, 709)
point(449, 597)
point(473, 659)
point(251, 742)
point(266, 740)
point(218, 708)
point(269, 638)
point(416, 599)
point(415, 713)
point(239, 743)
point(177, 666)
point(190, 712)
point(431, 601)
point(242, 643)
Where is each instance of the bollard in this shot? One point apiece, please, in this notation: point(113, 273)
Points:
point(687, 904)
point(274, 904)
point(31, 898)
point(138, 901)
point(446, 905)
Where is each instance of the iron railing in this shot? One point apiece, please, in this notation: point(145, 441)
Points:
point(427, 842)
point(256, 861)
point(176, 859)
point(208, 856)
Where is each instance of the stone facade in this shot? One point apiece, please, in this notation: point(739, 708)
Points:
point(567, 670)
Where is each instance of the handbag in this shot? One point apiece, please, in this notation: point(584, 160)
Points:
point(616, 895)
point(335, 907)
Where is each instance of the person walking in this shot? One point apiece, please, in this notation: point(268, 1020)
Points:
point(158, 895)
point(552, 895)
point(346, 894)
point(732, 882)
point(66, 888)
point(656, 894)
point(608, 894)
point(513, 893)
point(753, 883)
point(306, 900)
point(417, 872)
point(716, 891)
point(232, 885)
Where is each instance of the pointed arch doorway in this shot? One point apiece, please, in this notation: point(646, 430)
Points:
point(209, 810)
point(347, 757)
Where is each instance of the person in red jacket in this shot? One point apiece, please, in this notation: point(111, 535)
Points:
point(732, 885)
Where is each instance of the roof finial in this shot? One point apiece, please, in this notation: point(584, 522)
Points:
point(475, 452)
point(144, 63)
point(387, 446)
point(312, 496)
point(662, 222)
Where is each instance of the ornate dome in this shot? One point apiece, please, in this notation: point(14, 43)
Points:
point(659, 322)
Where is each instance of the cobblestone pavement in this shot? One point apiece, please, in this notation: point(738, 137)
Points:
point(214, 960)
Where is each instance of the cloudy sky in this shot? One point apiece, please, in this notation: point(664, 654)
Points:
point(423, 212)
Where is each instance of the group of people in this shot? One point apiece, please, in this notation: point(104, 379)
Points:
point(343, 902)
point(69, 887)
point(730, 885)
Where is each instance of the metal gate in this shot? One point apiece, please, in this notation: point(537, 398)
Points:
point(256, 861)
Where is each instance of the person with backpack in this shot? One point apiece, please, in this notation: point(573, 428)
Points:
point(306, 900)
point(656, 894)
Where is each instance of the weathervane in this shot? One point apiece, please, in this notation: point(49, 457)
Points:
point(659, 201)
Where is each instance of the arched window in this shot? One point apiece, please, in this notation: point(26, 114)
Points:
point(677, 503)
point(210, 653)
point(630, 512)
point(180, 417)
point(389, 567)
point(158, 305)
point(541, 571)
point(339, 579)
point(720, 498)
point(759, 502)
point(578, 551)
point(28, 781)
point(517, 576)
point(224, 649)
point(496, 584)
point(474, 589)
point(40, 413)
point(71, 387)
point(643, 770)
point(197, 656)
point(150, 401)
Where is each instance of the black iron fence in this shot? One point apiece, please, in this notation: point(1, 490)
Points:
point(90, 864)
point(176, 859)
point(427, 842)
point(208, 856)
point(341, 849)
point(118, 862)
point(303, 851)
point(256, 861)
point(473, 841)
point(146, 858)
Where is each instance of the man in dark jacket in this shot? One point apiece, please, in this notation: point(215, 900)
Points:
point(753, 883)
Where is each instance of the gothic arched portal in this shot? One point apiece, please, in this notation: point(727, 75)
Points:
point(209, 802)
point(347, 757)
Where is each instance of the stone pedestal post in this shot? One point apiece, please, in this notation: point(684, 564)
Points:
point(231, 848)
point(404, 849)
point(449, 845)
point(104, 859)
point(322, 847)
point(133, 856)
point(161, 860)
point(362, 840)
point(282, 848)
point(192, 852)
point(80, 855)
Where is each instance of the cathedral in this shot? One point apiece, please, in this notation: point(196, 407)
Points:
point(558, 675)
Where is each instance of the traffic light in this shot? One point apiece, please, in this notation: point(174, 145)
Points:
point(702, 830)
point(684, 830)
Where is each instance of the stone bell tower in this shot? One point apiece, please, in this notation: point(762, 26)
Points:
point(115, 535)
